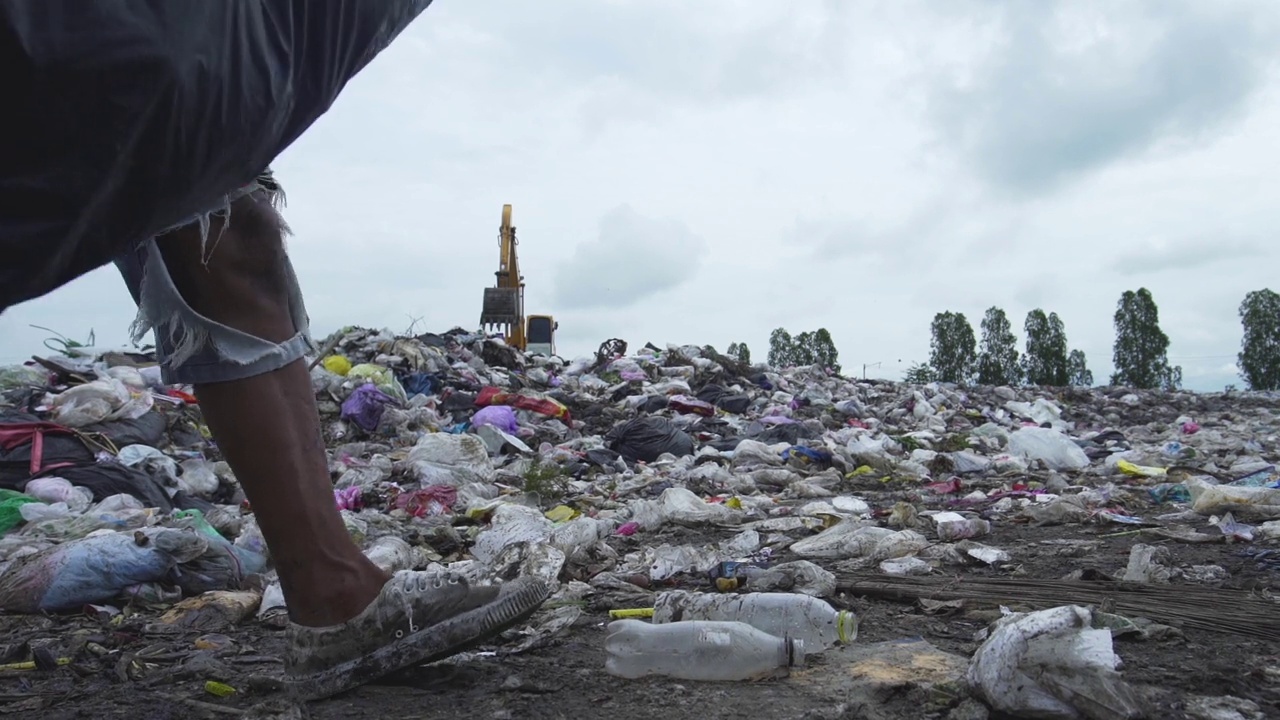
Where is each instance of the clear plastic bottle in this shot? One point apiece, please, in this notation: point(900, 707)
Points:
point(698, 651)
point(790, 615)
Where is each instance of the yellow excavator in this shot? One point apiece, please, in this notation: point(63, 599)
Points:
point(503, 309)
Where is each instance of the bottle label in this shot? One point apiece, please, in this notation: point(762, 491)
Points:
point(715, 637)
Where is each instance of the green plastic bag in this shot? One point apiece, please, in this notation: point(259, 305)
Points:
point(10, 515)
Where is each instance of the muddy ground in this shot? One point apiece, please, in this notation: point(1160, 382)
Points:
point(136, 674)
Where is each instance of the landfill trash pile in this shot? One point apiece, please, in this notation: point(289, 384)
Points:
point(861, 548)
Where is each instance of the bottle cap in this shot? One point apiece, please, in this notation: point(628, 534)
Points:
point(846, 627)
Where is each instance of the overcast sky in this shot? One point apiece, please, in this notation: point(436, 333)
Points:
point(705, 172)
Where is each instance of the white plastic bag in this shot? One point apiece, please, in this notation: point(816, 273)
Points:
point(445, 459)
point(1052, 665)
point(1055, 450)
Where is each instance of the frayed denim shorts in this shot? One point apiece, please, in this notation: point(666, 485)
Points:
point(191, 348)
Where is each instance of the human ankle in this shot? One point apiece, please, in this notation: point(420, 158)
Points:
point(335, 598)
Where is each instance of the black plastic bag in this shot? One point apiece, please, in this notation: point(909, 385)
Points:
point(735, 403)
point(645, 438)
point(126, 117)
point(146, 430)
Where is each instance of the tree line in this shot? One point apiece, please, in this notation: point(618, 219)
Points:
point(808, 348)
point(1140, 351)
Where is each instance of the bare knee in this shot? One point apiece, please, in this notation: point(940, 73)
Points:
point(237, 274)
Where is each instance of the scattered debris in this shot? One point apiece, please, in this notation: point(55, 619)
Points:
point(1066, 519)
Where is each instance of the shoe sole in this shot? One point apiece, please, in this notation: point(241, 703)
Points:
point(444, 639)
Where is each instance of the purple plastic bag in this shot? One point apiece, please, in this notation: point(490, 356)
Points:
point(365, 406)
point(499, 416)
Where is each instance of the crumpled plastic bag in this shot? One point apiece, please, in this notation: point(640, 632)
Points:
point(681, 506)
point(1052, 665)
point(365, 406)
point(502, 417)
point(646, 438)
point(853, 538)
point(447, 459)
point(17, 376)
point(95, 569)
point(1055, 450)
point(510, 524)
point(1249, 503)
point(100, 401)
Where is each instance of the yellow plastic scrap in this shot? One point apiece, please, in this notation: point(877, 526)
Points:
point(862, 470)
point(561, 513)
point(31, 664)
point(734, 502)
point(381, 377)
point(337, 364)
point(375, 374)
point(1129, 468)
point(217, 689)
point(631, 613)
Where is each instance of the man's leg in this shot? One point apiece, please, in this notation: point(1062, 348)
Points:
point(229, 319)
point(267, 426)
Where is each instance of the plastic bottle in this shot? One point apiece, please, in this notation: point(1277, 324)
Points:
point(698, 651)
point(789, 615)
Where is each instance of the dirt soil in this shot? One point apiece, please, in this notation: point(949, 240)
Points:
point(126, 671)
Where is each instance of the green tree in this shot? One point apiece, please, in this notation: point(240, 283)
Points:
point(1045, 362)
point(824, 351)
point(998, 357)
point(918, 374)
point(1078, 372)
point(781, 349)
point(1259, 359)
point(953, 351)
point(1140, 353)
point(802, 349)
point(739, 352)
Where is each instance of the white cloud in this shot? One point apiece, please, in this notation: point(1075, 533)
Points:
point(633, 258)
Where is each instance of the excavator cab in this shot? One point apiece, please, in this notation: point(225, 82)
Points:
point(540, 336)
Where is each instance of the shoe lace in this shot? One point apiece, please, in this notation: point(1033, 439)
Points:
point(412, 583)
point(417, 582)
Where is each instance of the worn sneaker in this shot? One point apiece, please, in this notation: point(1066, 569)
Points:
point(419, 617)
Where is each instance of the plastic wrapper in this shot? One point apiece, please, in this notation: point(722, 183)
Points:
point(1052, 665)
point(444, 459)
point(681, 506)
point(94, 569)
point(1055, 450)
point(645, 439)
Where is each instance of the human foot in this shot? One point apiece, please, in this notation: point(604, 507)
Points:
point(419, 617)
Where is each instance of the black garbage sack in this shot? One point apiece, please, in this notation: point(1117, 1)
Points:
point(29, 447)
point(645, 438)
point(111, 478)
point(146, 430)
point(603, 457)
point(653, 404)
point(790, 433)
point(719, 395)
point(126, 119)
point(712, 393)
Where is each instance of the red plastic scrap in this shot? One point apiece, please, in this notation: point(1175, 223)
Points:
point(427, 502)
point(949, 487)
point(541, 405)
point(185, 397)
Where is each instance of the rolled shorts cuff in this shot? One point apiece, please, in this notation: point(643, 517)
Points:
point(194, 349)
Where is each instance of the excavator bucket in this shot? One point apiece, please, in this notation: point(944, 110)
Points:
point(499, 307)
